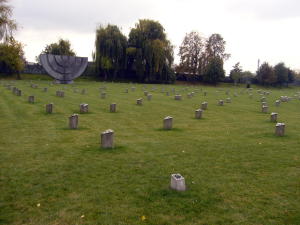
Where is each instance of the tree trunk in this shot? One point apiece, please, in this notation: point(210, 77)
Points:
point(18, 75)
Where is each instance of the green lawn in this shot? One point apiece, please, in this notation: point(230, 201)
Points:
point(237, 171)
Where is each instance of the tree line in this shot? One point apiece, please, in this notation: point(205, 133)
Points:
point(279, 75)
point(146, 55)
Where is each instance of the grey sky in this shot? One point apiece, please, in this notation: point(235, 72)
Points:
point(265, 29)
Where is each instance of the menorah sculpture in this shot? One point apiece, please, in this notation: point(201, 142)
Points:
point(64, 69)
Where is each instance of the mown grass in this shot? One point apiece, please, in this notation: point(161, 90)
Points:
point(237, 171)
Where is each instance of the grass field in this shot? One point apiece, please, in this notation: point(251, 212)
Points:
point(237, 171)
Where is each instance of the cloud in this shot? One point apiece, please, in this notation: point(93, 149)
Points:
point(73, 15)
point(266, 9)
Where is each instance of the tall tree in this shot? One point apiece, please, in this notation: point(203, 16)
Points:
point(214, 58)
point(291, 75)
point(191, 52)
point(11, 57)
point(236, 73)
point(110, 51)
point(7, 24)
point(281, 73)
point(214, 71)
point(215, 47)
point(265, 74)
point(62, 47)
point(150, 54)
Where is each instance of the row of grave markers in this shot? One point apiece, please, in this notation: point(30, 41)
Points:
point(198, 113)
point(107, 137)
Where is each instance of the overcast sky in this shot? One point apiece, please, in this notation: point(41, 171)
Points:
point(258, 29)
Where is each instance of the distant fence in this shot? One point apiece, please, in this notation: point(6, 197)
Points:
point(35, 68)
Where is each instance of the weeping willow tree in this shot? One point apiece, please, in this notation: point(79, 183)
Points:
point(7, 24)
point(110, 52)
point(11, 51)
point(149, 53)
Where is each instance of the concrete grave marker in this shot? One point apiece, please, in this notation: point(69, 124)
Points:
point(49, 108)
point(60, 94)
point(139, 101)
point(31, 99)
point(204, 105)
point(73, 121)
point(103, 95)
point(178, 97)
point(273, 117)
point(107, 139)
point(198, 113)
point(84, 108)
point(113, 108)
point(221, 103)
point(18, 92)
point(279, 129)
point(177, 182)
point(168, 123)
point(264, 109)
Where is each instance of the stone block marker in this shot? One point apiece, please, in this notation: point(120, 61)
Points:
point(178, 97)
point(113, 107)
point(264, 109)
point(103, 95)
point(149, 97)
point(273, 117)
point(107, 139)
point(168, 123)
point(177, 182)
point(132, 89)
point(277, 103)
point(145, 93)
point(204, 106)
point(84, 108)
point(279, 129)
point(31, 99)
point(60, 94)
point(221, 103)
point(45, 89)
point(264, 104)
point(228, 100)
point(49, 108)
point(18, 92)
point(139, 101)
point(73, 121)
point(198, 113)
